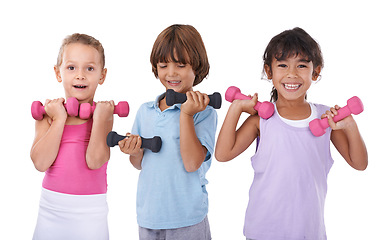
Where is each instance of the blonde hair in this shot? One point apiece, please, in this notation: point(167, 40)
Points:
point(84, 39)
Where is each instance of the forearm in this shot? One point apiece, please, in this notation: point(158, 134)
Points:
point(137, 159)
point(98, 152)
point(44, 151)
point(358, 155)
point(227, 136)
point(192, 152)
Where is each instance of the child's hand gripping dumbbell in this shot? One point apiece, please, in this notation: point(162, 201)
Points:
point(354, 105)
point(86, 110)
point(153, 144)
point(38, 111)
point(264, 109)
point(173, 97)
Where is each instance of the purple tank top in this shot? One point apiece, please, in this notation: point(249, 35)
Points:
point(70, 173)
point(286, 198)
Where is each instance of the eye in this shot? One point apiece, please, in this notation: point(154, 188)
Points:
point(161, 65)
point(71, 68)
point(181, 65)
point(302, 66)
point(282, 65)
point(90, 69)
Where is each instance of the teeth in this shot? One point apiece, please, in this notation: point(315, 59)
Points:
point(79, 86)
point(174, 81)
point(291, 86)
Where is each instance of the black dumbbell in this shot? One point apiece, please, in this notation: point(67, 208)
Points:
point(153, 144)
point(173, 97)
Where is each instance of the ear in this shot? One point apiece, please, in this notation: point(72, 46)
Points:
point(103, 76)
point(268, 71)
point(57, 73)
point(316, 73)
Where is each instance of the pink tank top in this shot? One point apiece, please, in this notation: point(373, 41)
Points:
point(70, 173)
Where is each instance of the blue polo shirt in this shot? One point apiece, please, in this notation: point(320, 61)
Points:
point(168, 196)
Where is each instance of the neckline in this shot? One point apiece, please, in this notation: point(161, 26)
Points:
point(298, 124)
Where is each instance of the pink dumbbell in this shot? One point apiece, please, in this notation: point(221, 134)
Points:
point(86, 110)
point(38, 111)
point(264, 109)
point(354, 105)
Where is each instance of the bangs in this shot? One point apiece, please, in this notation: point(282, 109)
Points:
point(172, 50)
point(292, 47)
point(292, 43)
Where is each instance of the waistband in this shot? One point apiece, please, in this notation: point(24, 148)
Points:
point(73, 203)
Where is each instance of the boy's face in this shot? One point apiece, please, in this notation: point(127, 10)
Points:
point(177, 76)
point(81, 71)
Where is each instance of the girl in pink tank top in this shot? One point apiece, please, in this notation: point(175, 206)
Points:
point(286, 198)
point(73, 152)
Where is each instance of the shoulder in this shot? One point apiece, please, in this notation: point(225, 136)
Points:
point(320, 108)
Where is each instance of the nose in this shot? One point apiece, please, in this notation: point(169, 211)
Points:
point(292, 72)
point(80, 75)
point(172, 71)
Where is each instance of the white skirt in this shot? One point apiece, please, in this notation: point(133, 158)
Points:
point(66, 216)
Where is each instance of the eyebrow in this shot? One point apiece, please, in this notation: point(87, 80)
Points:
point(305, 60)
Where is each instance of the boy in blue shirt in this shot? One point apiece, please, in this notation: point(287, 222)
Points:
point(172, 201)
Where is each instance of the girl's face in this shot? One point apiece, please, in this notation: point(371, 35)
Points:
point(176, 76)
point(81, 71)
point(292, 77)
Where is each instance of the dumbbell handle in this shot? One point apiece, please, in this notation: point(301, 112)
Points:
point(264, 109)
point(86, 110)
point(38, 110)
point(354, 106)
point(173, 97)
point(153, 144)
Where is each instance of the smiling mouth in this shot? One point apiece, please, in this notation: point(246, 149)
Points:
point(290, 86)
point(174, 83)
point(79, 86)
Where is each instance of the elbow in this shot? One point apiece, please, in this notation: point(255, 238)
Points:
point(94, 166)
point(191, 166)
point(94, 163)
point(221, 157)
point(191, 169)
point(193, 163)
point(361, 167)
point(41, 167)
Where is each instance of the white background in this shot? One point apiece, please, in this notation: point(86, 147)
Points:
point(350, 34)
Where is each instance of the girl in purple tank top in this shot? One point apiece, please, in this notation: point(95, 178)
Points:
point(286, 198)
point(73, 152)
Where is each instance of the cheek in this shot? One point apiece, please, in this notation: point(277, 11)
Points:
point(160, 74)
point(191, 75)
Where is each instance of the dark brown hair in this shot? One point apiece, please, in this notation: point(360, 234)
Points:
point(181, 44)
point(292, 43)
point(84, 39)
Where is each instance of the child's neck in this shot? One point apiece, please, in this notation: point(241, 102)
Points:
point(293, 109)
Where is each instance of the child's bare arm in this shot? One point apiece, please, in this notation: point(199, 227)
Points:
point(48, 133)
point(98, 152)
point(192, 151)
point(232, 142)
point(347, 140)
